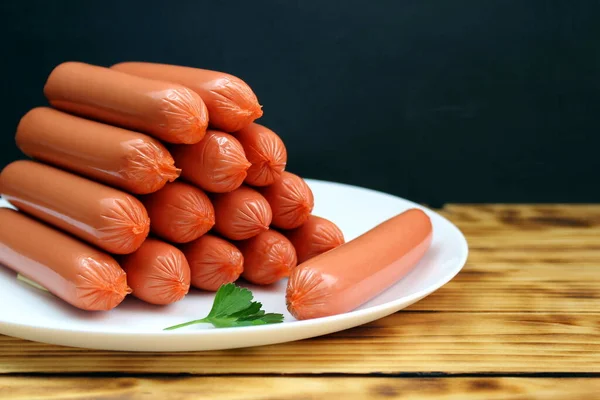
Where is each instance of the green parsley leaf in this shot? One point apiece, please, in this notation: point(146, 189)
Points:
point(233, 306)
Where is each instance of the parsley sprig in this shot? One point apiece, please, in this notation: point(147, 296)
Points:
point(233, 306)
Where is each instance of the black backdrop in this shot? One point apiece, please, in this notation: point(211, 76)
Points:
point(437, 101)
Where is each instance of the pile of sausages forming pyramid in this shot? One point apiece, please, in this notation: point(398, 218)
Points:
point(149, 178)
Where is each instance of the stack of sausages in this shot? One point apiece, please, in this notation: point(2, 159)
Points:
point(148, 178)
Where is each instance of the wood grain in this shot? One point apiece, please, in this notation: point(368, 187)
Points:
point(525, 217)
point(403, 342)
point(529, 235)
point(282, 388)
point(527, 301)
point(524, 258)
point(482, 287)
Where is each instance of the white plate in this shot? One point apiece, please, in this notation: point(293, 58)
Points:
point(31, 314)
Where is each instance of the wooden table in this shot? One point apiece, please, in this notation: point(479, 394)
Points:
point(521, 321)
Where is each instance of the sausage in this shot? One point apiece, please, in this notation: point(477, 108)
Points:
point(167, 111)
point(108, 218)
point(241, 214)
point(231, 103)
point(213, 262)
point(350, 275)
point(265, 151)
point(78, 273)
point(290, 199)
point(268, 257)
point(216, 164)
point(179, 212)
point(157, 272)
point(316, 236)
point(118, 157)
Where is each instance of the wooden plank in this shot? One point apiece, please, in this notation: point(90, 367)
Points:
point(529, 235)
point(528, 301)
point(348, 388)
point(404, 342)
point(524, 217)
point(552, 264)
point(514, 288)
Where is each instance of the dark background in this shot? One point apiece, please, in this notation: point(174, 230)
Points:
point(435, 101)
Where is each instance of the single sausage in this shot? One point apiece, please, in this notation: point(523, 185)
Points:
point(108, 218)
point(213, 262)
point(118, 157)
point(157, 272)
point(179, 212)
point(352, 274)
point(231, 103)
point(216, 164)
point(241, 214)
point(316, 236)
point(268, 257)
point(265, 151)
point(290, 199)
point(167, 111)
point(76, 272)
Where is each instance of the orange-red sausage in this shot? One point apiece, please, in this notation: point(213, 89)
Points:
point(265, 151)
point(179, 212)
point(213, 262)
point(216, 164)
point(290, 199)
point(108, 218)
point(78, 273)
point(167, 111)
point(231, 103)
point(241, 214)
point(316, 236)
point(268, 257)
point(157, 272)
point(352, 274)
point(118, 157)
